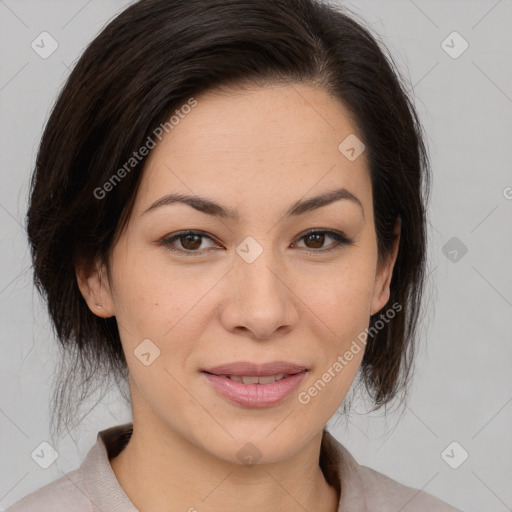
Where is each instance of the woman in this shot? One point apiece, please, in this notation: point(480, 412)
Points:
point(228, 212)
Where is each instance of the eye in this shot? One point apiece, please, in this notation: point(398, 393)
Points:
point(189, 240)
point(316, 238)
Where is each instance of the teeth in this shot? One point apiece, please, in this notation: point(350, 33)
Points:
point(250, 380)
point(268, 379)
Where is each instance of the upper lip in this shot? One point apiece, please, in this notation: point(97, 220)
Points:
point(245, 368)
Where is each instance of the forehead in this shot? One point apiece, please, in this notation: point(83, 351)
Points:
point(254, 144)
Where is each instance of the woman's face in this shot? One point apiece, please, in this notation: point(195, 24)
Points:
point(254, 287)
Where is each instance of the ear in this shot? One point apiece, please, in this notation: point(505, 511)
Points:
point(95, 288)
point(381, 290)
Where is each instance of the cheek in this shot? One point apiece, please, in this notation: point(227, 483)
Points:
point(142, 282)
point(142, 298)
point(155, 300)
point(343, 305)
point(342, 294)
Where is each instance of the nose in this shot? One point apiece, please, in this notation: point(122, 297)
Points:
point(259, 301)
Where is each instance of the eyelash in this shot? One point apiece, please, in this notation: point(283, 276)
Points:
point(340, 240)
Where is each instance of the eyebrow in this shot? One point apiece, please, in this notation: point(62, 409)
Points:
point(209, 207)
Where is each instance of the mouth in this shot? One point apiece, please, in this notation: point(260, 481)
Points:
point(254, 379)
point(248, 369)
point(251, 385)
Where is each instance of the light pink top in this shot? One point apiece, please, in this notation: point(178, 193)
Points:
point(93, 486)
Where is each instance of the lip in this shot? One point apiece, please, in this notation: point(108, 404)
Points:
point(246, 368)
point(255, 395)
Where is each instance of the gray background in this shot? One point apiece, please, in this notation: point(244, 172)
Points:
point(463, 384)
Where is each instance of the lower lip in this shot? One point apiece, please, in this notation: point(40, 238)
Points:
point(255, 395)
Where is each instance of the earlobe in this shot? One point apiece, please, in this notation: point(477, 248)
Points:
point(382, 291)
point(95, 288)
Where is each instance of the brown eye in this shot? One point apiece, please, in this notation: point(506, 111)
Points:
point(190, 242)
point(317, 240)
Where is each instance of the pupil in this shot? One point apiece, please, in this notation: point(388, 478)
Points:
point(319, 242)
point(194, 245)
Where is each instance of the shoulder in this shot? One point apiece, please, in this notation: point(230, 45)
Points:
point(364, 489)
point(383, 494)
point(65, 494)
point(91, 487)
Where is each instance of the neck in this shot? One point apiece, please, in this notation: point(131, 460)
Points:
point(162, 471)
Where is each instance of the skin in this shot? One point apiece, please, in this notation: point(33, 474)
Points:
point(257, 150)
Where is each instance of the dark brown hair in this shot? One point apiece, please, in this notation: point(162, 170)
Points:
point(143, 65)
